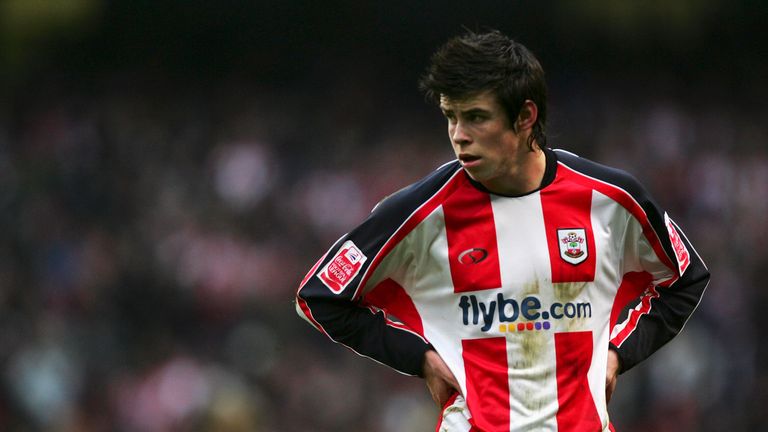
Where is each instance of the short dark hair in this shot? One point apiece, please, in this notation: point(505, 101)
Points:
point(477, 62)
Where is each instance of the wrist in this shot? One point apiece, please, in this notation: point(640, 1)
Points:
point(426, 362)
point(613, 351)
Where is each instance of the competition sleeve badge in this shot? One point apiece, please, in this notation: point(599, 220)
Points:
point(573, 244)
point(681, 252)
point(343, 267)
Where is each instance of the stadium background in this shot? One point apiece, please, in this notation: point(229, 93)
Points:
point(170, 169)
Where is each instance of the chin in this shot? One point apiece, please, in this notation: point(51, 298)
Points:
point(476, 176)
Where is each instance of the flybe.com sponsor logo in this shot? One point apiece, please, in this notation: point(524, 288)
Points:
point(513, 315)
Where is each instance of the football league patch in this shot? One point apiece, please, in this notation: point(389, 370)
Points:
point(573, 244)
point(343, 267)
point(681, 252)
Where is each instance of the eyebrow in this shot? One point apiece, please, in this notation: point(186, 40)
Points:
point(476, 111)
point(470, 111)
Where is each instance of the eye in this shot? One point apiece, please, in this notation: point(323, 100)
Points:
point(476, 118)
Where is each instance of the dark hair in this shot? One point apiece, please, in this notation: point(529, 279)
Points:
point(476, 62)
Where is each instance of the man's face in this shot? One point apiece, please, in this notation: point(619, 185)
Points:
point(484, 142)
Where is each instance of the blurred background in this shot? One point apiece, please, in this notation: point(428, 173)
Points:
point(169, 170)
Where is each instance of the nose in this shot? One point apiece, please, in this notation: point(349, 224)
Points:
point(459, 135)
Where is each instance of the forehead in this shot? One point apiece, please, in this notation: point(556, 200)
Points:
point(485, 100)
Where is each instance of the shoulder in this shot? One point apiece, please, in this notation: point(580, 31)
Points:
point(619, 186)
point(603, 176)
point(598, 171)
point(413, 195)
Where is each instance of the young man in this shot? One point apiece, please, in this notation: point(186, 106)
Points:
point(517, 280)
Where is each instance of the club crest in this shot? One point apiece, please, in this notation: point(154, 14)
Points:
point(573, 244)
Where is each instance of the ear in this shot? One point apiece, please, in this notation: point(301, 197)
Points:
point(528, 115)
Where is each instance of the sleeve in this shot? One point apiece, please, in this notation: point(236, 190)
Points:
point(330, 296)
point(670, 277)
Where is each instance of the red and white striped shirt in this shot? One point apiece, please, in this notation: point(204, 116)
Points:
point(520, 295)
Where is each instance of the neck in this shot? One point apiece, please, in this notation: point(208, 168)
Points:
point(524, 177)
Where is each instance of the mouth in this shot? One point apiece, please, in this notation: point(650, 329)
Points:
point(468, 159)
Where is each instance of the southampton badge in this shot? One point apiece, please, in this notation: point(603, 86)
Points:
point(573, 244)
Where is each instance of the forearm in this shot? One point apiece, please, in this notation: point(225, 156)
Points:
point(369, 334)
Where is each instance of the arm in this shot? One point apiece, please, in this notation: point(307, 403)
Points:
point(334, 295)
point(330, 301)
point(676, 280)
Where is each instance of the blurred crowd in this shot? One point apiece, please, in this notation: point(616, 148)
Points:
point(154, 233)
point(152, 248)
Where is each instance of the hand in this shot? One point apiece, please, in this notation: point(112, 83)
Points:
point(612, 372)
point(440, 380)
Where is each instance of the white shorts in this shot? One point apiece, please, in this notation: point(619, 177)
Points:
point(455, 416)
